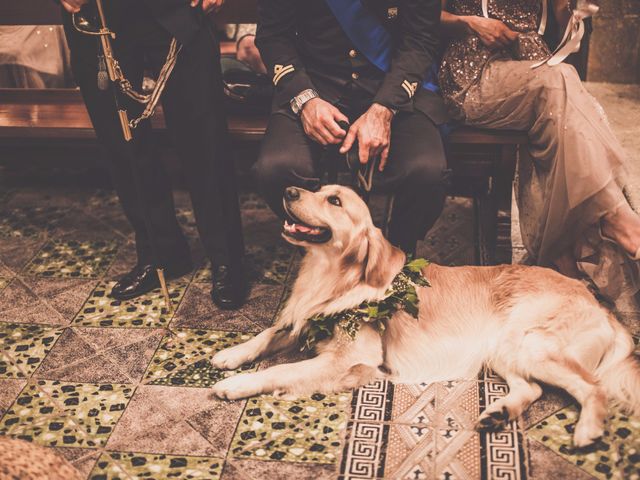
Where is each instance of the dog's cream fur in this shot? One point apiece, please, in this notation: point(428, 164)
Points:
point(529, 324)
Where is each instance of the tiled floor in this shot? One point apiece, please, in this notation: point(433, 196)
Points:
point(120, 389)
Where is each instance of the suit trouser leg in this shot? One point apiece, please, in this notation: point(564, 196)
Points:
point(288, 157)
point(144, 193)
point(193, 102)
point(416, 176)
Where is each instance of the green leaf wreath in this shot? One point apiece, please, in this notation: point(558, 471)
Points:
point(401, 295)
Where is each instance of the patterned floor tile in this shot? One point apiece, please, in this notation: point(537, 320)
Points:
point(197, 310)
point(100, 355)
point(23, 347)
point(116, 465)
point(243, 469)
point(66, 414)
point(616, 455)
point(82, 459)
point(30, 221)
point(452, 404)
point(457, 453)
point(183, 358)
point(146, 311)
point(177, 421)
point(306, 430)
point(9, 390)
point(410, 452)
point(72, 259)
point(51, 301)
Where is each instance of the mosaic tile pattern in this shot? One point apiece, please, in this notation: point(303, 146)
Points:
point(30, 221)
point(183, 358)
point(149, 310)
point(23, 348)
point(615, 455)
point(66, 414)
point(169, 429)
point(117, 465)
point(72, 259)
point(302, 430)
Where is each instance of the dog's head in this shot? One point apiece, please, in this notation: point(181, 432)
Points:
point(336, 222)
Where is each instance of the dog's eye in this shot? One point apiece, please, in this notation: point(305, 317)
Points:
point(334, 200)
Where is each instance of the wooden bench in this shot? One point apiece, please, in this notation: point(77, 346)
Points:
point(482, 161)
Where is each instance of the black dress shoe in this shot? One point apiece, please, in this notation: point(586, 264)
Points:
point(229, 287)
point(144, 278)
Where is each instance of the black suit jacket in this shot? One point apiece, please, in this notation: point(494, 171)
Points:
point(304, 46)
point(178, 17)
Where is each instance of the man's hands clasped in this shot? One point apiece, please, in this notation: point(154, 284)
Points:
point(372, 130)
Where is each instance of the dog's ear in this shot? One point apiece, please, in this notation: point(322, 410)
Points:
point(383, 262)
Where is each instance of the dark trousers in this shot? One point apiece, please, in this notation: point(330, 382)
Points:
point(415, 173)
point(193, 105)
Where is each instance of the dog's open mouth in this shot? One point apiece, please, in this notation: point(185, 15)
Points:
point(298, 230)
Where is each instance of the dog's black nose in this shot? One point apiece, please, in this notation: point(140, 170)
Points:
point(291, 194)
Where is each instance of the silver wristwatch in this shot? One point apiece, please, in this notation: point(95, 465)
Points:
point(303, 97)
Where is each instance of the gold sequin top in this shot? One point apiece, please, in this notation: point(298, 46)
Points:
point(465, 57)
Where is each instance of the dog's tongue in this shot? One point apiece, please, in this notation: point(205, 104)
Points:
point(296, 227)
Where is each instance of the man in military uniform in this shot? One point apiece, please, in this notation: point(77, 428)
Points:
point(322, 78)
point(193, 108)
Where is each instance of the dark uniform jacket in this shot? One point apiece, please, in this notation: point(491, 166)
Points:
point(304, 46)
point(176, 16)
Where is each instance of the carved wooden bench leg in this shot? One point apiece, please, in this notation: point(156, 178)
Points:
point(492, 210)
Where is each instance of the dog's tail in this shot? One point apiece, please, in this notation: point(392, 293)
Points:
point(619, 372)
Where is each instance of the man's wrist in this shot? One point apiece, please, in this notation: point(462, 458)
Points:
point(387, 112)
point(298, 102)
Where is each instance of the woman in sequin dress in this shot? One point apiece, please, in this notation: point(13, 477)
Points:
point(570, 180)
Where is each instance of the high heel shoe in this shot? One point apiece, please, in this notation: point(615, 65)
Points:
point(635, 257)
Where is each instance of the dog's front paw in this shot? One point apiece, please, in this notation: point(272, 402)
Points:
point(586, 433)
point(230, 358)
point(235, 388)
point(493, 419)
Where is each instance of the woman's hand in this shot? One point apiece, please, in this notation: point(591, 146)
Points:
point(493, 33)
point(73, 6)
point(208, 6)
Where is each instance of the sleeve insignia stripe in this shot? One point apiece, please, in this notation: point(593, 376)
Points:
point(410, 88)
point(280, 71)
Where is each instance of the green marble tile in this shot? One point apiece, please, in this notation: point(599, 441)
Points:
point(183, 358)
point(146, 311)
point(72, 259)
point(308, 429)
point(30, 221)
point(615, 456)
point(23, 347)
point(66, 414)
point(134, 466)
point(264, 263)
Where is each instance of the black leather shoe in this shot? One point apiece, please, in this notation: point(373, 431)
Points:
point(229, 287)
point(144, 278)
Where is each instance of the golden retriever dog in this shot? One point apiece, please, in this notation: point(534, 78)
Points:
point(531, 325)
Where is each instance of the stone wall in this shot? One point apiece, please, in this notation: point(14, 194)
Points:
point(614, 49)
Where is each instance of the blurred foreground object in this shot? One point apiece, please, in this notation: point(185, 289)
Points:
point(26, 461)
point(34, 56)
